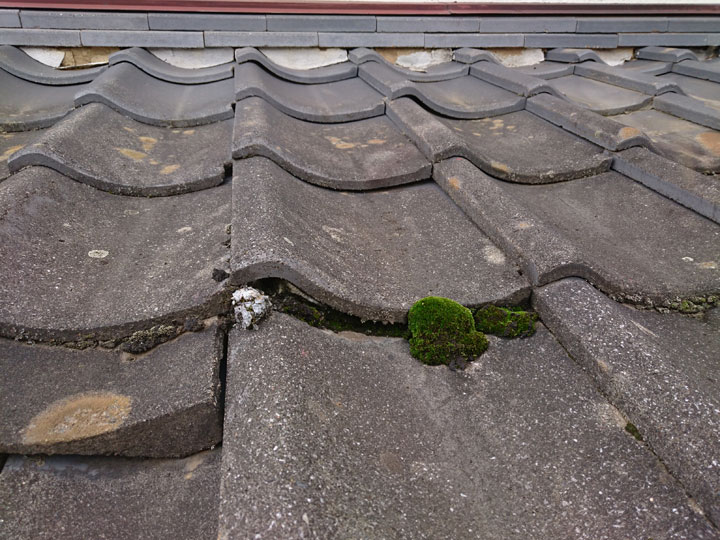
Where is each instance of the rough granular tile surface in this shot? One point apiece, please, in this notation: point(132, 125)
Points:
point(134, 93)
point(64, 497)
point(103, 264)
point(661, 370)
point(131, 158)
point(370, 254)
point(598, 96)
point(358, 155)
point(346, 436)
point(164, 403)
point(26, 105)
point(706, 91)
point(11, 143)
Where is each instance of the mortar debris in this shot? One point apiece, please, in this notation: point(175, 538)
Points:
point(250, 306)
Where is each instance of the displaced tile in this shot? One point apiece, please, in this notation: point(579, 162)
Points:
point(88, 263)
point(12, 142)
point(587, 124)
point(343, 436)
point(665, 54)
point(164, 403)
point(690, 144)
point(370, 254)
point(260, 39)
point(364, 154)
point(64, 497)
point(152, 65)
point(131, 158)
point(547, 70)
point(324, 74)
point(598, 96)
point(206, 21)
point(18, 63)
point(134, 93)
point(518, 147)
point(661, 370)
point(151, 38)
point(320, 23)
point(632, 80)
point(701, 111)
point(439, 72)
point(84, 20)
point(700, 70)
point(462, 97)
point(468, 55)
point(572, 229)
point(340, 101)
point(689, 188)
point(26, 105)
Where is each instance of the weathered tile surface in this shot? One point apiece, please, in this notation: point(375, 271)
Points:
point(547, 70)
point(344, 437)
point(598, 96)
point(666, 54)
point(105, 265)
point(134, 93)
point(574, 229)
point(10, 143)
point(650, 67)
point(368, 254)
point(164, 403)
point(703, 112)
point(364, 154)
point(519, 146)
point(131, 158)
point(462, 97)
point(632, 80)
point(324, 74)
point(700, 70)
point(339, 101)
point(661, 370)
point(15, 61)
point(706, 91)
point(152, 65)
point(26, 105)
point(688, 143)
point(63, 498)
point(438, 72)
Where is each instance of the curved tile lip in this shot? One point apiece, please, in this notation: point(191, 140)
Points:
point(48, 326)
point(512, 105)
point(57, 148)
point(259, 141)
point(637, 104)
point(18, 63)
point(253, 81)
point(325, 74)
point(438, 72)
point(133, 102)
point(159, 69)
point(39, 118)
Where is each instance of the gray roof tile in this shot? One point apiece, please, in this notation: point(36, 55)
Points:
point(152, 65)
point(599, 97)
point(325, 74)
point(17, 62)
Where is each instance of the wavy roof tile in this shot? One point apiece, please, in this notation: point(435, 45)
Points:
point(134, 200)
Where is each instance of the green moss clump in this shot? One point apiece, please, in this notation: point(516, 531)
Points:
point(634, 431)
point(443, 331)
point(505, 322)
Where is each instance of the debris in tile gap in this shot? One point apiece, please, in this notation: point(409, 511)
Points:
point(505, 322)
point(144, 340)
point(219, 275)
point(250, 306)
point(443, 332)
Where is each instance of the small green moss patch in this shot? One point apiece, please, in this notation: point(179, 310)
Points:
point(634, 431)
point(505, 322)
point(443, 331)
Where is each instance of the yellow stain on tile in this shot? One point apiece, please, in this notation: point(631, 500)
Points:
point(188, 132)
point(169, 169)
point(132, 154)
point(339, 143)
point(376, 141)
point(148, 143)
point(10, 151)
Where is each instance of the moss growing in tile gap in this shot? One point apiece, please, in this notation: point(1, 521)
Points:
point(634, 431)
point(443, 332)
point(288, 299)
point(505, 322)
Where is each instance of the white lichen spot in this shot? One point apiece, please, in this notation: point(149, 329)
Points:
point(688, 259)
point(98, 253)
point(493, 255)
point(708, 265)
point(250, 306)
point(182, 230)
